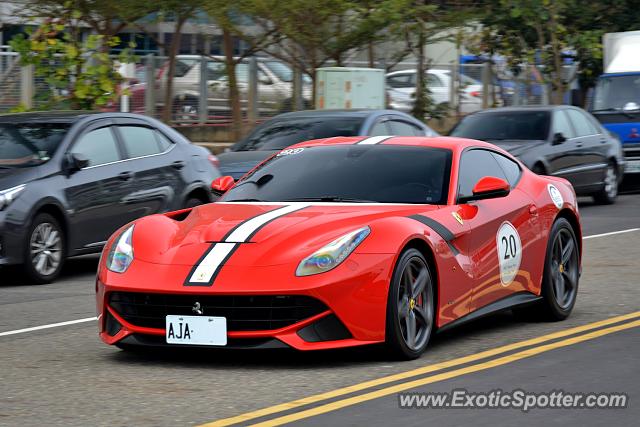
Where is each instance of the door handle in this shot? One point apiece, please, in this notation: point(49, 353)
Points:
point(125, 176)
point(178, 164)
point(533, 210)
point(578, 144)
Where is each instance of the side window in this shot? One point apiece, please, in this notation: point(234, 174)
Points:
point(581, 124)
point(99, 146)
point(561, 124)
point(139, 141)
point(379, 129)
point(164, 142)
point(434, 81)
point(509, 167)
point(401, 128)
point(401, 80)
point(476, 164)
point(215, 70)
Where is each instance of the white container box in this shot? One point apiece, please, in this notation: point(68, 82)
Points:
point(346, 88)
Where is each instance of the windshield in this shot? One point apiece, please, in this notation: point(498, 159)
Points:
point(279, 134)
point(28, 144)
point(363, 173)
point(284, 72)
point(615, 92)
point(496, 126)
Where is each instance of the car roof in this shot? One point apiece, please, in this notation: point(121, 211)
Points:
point(529, 108)
point(357, 113)
point(69, 117)
point(448, 142)
point(44, 116)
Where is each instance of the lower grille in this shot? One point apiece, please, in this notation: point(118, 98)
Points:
point(243, 313)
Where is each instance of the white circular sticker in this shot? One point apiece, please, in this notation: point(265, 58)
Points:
point(509, 252)
point(556, 196)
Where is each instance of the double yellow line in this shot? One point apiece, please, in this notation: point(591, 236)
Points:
point(533, 346)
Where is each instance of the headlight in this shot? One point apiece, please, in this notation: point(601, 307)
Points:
point(331, 255)
point(121, 253)
point(7, 196)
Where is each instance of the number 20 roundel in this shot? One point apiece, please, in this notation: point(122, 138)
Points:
point(509, 252)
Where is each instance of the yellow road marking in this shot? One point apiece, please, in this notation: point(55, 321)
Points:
point(444, 376)
point(242, 418)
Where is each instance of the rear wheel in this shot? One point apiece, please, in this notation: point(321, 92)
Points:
point(609, 192)
point(44, 249)
point(410, 306)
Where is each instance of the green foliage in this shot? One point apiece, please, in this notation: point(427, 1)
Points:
point(79, 74)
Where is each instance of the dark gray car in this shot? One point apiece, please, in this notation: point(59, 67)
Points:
point(69, 180)
point(560, 140)
point(290, 128)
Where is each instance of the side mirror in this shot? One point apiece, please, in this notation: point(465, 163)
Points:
point(488, 187)
point(76, 161)
point(222, 184)
point(558, 138)
point(265, 80)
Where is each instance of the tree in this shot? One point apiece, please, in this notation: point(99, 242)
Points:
point(80, 73)
point(180, 11)
point(309, 35)
point(230, 17)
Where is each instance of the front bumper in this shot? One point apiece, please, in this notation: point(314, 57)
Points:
point(11, 241)
point(351, 307)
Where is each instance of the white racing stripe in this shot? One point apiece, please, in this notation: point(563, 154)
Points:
point(90, 319)
point(373, 140)
point(242, 233)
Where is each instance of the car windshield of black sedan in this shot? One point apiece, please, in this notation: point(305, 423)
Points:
point(505, 125)
point(350, 173)
point(280, 134)
point(29, 144)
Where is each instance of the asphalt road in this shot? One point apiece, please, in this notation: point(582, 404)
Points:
point(65, 376)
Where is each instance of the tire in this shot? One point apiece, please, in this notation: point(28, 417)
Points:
point(555, 306)
point(45, 249)
point(185, 110)
point(412, 270)
point(609, 192)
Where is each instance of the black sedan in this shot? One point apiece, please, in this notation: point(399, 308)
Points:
point(555, 140)
point(69, 180)
point(290, 128)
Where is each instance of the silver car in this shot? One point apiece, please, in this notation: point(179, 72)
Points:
point(275, 87)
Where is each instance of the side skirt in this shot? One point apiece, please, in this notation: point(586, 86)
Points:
point(515, 300)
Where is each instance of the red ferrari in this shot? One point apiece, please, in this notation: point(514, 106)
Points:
point(344, 242)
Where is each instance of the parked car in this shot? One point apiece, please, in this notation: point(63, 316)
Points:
point(275, 86)
point(69, 180)
point(557, 140)
point(291, 128)
point(403, 87)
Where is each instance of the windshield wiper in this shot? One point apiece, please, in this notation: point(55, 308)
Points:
point(329, 199)
point(244, 200)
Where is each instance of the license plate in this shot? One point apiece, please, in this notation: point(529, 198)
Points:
point(196, 330)
point(632, 166)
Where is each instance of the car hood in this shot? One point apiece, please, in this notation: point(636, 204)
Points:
point(290, 237)
point(237, 163)
point(11, 177)
point(517, 147)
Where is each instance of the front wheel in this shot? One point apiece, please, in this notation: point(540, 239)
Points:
point(44, 249)
point(609, 192)
point(410, 306)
